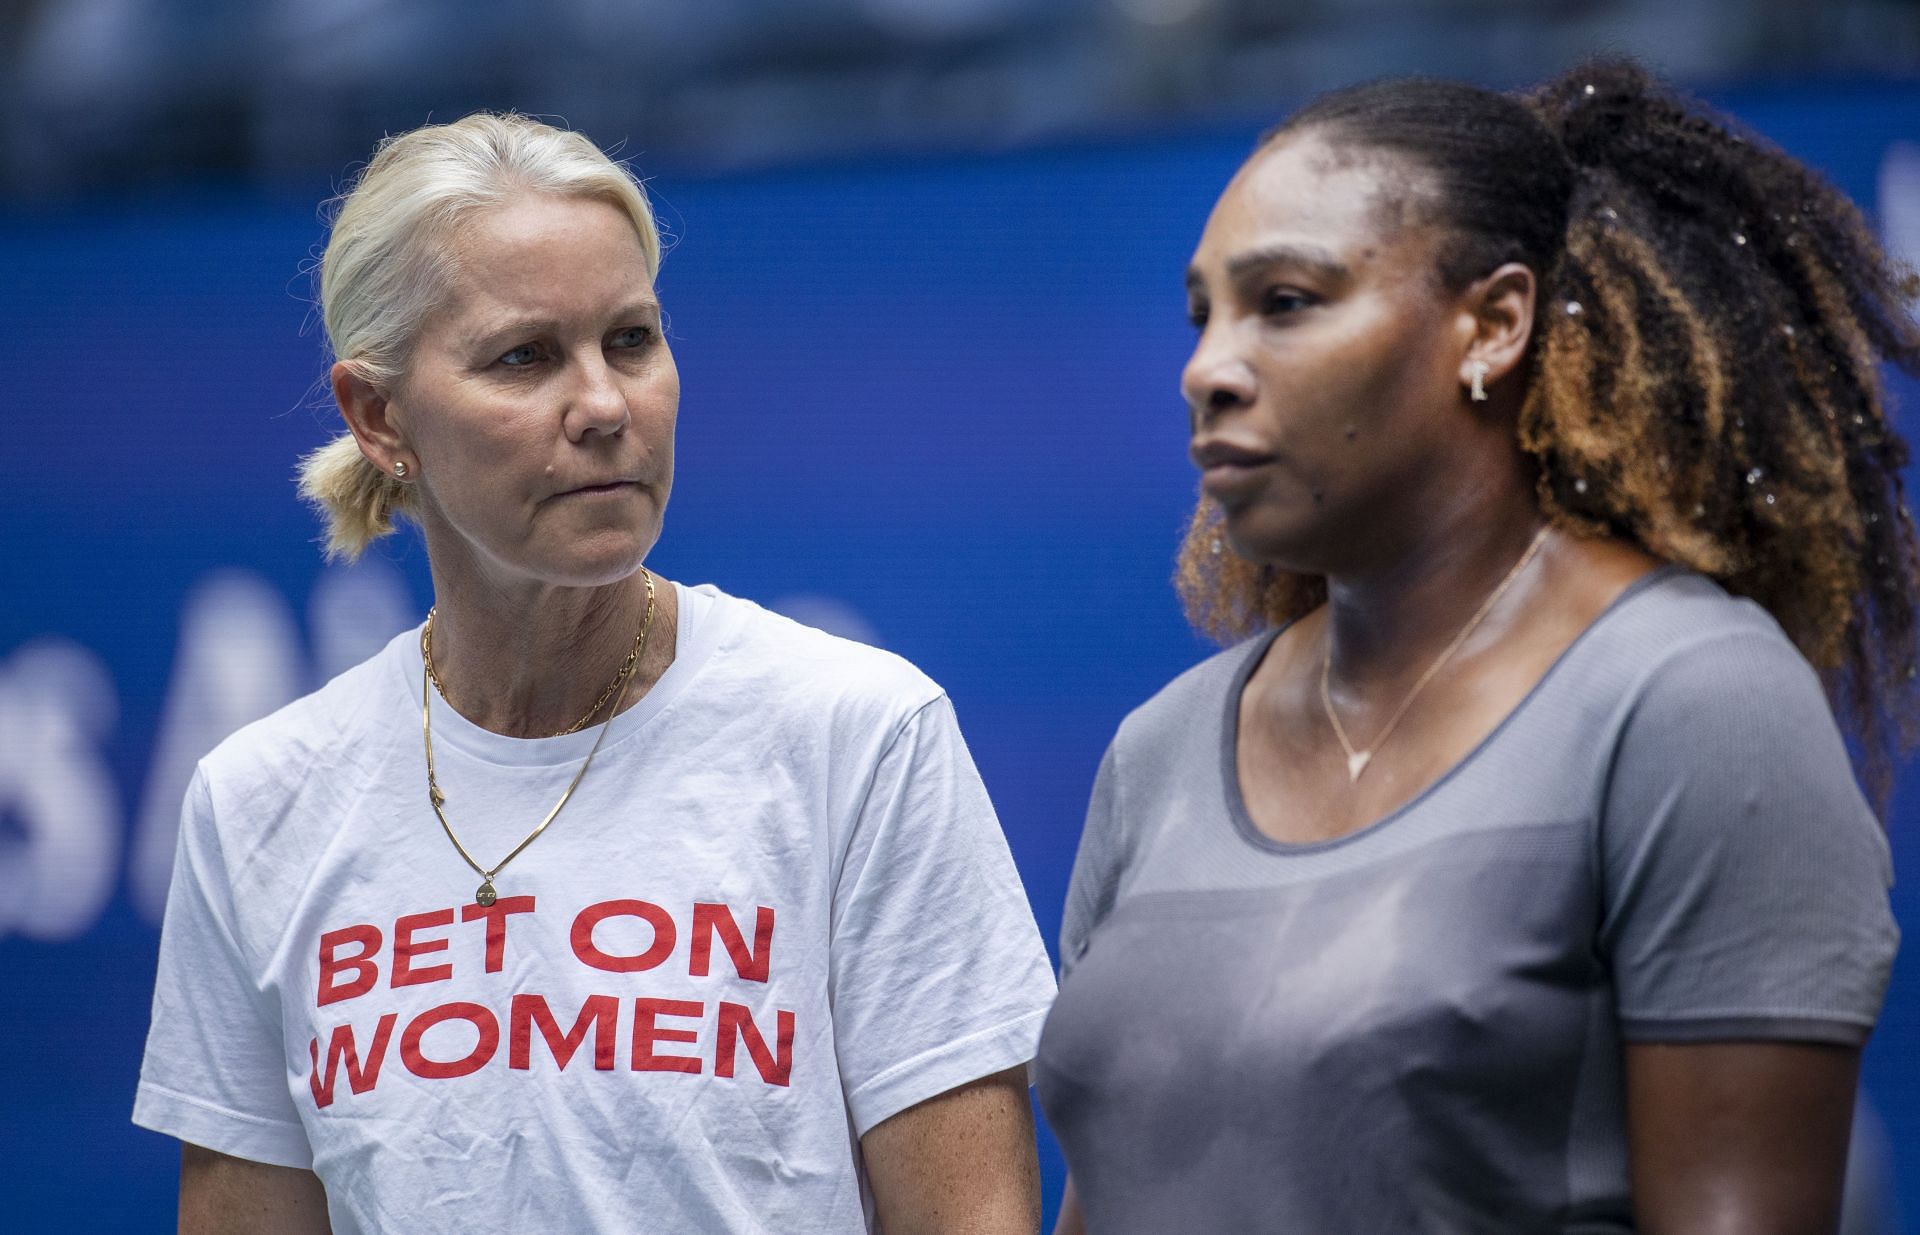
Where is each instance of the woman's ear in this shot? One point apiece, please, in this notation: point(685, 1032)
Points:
point(368, 411)
point(1498, 314)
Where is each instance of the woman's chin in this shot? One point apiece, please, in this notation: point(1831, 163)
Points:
point(1268, 543)
point(593, 561)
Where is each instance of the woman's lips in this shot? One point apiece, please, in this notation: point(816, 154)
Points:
point(1222, 480)
point(1228, 466)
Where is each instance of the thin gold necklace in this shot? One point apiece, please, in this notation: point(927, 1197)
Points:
point(486, 894)
point(619, 679)
point(1357, 760)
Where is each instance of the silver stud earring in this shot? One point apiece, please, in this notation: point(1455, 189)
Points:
point(400, 469)
point(1214, 546)
point(1477, 377)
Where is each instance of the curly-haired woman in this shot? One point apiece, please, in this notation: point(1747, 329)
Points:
point(1517, 878)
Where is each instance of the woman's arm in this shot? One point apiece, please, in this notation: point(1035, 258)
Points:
point(961, 1163)
point(222, 1195)
point(1746, 1137)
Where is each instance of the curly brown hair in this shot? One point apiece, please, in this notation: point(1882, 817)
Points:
point(1703, 378)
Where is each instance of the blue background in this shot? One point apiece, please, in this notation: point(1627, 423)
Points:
point(941, 394)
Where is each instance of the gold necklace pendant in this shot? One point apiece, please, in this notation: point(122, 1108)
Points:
point(487, 894)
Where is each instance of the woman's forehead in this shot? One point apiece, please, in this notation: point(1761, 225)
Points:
point(1308, 190)
point(533, 231)
point(543, 252)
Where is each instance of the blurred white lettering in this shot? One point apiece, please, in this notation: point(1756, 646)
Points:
point(239, 659)
point(57, 702)
point(352, 613)
point(828, 613)
point(1900, 202)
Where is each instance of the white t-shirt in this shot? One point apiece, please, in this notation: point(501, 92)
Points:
point(778, 909)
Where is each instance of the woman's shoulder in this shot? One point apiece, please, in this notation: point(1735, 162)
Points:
point(1674, 655)
point(365, 703)
point(786, 662)
point(1673, 619)
point(1194, 704)
point(1674, 604)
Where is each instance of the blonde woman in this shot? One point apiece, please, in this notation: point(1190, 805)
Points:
point(597, 902)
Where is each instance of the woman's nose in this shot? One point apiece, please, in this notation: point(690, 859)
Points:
point(598, 404)
point(1216, 378)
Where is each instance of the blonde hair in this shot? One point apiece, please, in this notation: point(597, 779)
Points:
point(386, 266)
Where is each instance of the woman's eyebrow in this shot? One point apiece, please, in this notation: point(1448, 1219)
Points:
point(1312, 258)
point(500, 329)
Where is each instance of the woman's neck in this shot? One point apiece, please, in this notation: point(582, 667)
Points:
point(1388, 619)
point(530, 660)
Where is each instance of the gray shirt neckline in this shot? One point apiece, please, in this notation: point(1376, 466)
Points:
point(1257, 649)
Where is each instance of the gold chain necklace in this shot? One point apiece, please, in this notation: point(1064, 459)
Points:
point(619, 682)
point(1357, 760)
point(486, 894)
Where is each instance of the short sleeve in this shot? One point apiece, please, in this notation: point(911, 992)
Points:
point(1096, 866)
point(1744, 877)
point(215, 1073)
point(938, 973)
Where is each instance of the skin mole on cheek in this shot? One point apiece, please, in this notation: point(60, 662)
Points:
point(1352, 433)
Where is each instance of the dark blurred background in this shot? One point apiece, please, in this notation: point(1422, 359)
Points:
point(924, 289)
point(104, 95)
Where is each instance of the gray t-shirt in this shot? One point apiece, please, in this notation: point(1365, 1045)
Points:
point(1418, 1026)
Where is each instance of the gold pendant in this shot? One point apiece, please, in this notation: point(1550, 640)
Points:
point(1356, 764)
point(486, 895)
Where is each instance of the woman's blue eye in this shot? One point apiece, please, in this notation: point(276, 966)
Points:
point(1197, 316)
point(520, 356)
point(633, 336)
